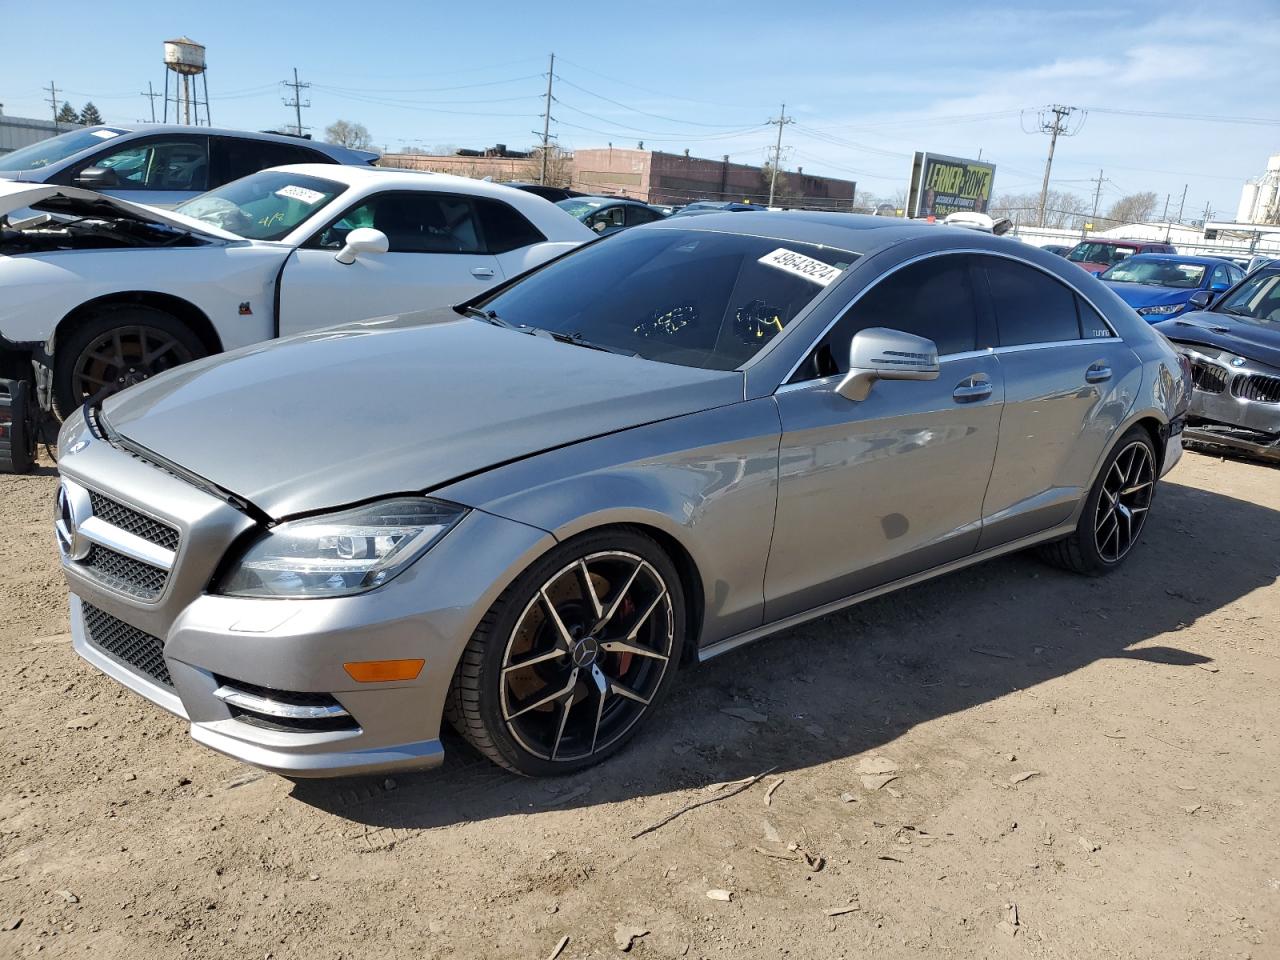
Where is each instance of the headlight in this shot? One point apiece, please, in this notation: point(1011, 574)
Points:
point(1161, 309)
point(341, 553)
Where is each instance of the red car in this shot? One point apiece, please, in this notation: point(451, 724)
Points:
point(1098, 255)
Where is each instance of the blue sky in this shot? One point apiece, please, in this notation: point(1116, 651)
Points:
point(867, 83)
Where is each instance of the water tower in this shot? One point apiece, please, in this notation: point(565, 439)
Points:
point(185, 58)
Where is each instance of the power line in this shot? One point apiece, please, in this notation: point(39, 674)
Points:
point(1205, 117)
point(297, 101)
point(646, 113)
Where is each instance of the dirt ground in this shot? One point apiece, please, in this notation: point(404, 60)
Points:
point(1084, 768)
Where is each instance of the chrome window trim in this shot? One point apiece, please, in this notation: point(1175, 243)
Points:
point(786, 380)
point(837, 377)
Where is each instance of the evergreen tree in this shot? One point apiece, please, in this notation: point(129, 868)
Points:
point(90, 116)
point(68, 114)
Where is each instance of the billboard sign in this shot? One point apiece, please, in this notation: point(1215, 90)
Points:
point(943, 185)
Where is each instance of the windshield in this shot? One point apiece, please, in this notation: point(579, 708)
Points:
point(694, 298)
point(1257, 298)
point(578, 207)
point(1157, 273)
point(1100, 253)
point(55, 149)
point(263, 206)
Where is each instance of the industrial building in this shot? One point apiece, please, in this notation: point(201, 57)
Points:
point(1260, 198)
point(651, 176)
point(18, 132)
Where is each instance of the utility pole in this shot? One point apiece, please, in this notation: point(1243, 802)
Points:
point(1208, 212)
point(546, 120)
point(1183, 202)
point(781, 121)
point(1097, 197)
point(53, 102)
point(1056, 127)
point(151, 96)
point(297, 101)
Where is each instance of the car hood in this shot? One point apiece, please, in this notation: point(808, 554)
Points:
point(394, 405)
point(76, 201)
point(1254, 341)
point(1148, 295)
point(1091, 267)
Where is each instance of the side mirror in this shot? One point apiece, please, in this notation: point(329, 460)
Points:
point(362, 240)
point(879, 353)
point(1200, 300)
point(97, 178)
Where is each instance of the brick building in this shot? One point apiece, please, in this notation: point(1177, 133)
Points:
point(648, 175)
point(657, 177)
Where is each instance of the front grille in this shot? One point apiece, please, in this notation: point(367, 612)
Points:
point(130, 646)
point(125, 574)
point(140, 525)
point(1208, 377)
point(1255, 386)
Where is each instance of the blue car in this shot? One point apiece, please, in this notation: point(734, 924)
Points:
point(1160, 285)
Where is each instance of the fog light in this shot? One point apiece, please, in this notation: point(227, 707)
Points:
point(380, 671)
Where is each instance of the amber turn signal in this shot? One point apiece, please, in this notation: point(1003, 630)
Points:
point(380, 671)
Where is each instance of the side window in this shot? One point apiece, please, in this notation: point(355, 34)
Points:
point(639, 215)
point(1030, 306)
point(414, 222)
point(233, 158)
point(1221, 277)
point(180, 163)
point(932, 298)
point(505, 227)
point(611, 218)
point(1092, 326)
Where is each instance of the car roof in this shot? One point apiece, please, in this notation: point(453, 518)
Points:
point(1204, 260)
point(1113, 242)
point(361, 176)
point(855, 232)
point(344, 154)
point(590, 198)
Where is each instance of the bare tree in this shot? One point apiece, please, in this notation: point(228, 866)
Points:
point(348, 134)
point(1134, 208)
point(559, 165)
point(1063, 210)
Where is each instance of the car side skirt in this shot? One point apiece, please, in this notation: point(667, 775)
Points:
point(759, 633)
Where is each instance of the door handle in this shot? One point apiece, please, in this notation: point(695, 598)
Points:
point(972, 389)
point(1098, 373)
point(483, 272)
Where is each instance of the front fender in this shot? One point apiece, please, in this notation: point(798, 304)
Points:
point(707, 481)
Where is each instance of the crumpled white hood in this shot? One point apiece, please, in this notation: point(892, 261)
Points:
point(15, 195)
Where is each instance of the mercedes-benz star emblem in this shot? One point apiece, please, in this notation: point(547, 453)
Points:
point(585, 652)
point(73, 509)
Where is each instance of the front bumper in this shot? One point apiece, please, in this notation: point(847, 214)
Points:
point(1228, 410)
point(207, 642)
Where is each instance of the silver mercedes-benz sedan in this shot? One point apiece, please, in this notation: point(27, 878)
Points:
point(522, 515)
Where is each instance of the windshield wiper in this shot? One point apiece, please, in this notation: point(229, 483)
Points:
point(491, 316)
point(577, 340)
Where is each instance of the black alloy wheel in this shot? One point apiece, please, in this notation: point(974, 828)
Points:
point(573, 656)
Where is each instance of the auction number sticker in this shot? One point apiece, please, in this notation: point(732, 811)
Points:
point(802, 266)
point(309, 197)
point(105, 134)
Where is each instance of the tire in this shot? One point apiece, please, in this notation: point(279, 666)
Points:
point(89, 353)
point(543, 701)
point(1108, 528)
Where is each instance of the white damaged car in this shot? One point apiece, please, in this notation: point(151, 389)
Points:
point(97, 293)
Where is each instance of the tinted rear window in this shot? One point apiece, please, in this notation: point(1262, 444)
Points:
point(1030, 306)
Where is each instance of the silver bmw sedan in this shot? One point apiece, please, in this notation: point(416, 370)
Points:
point(522, 515)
